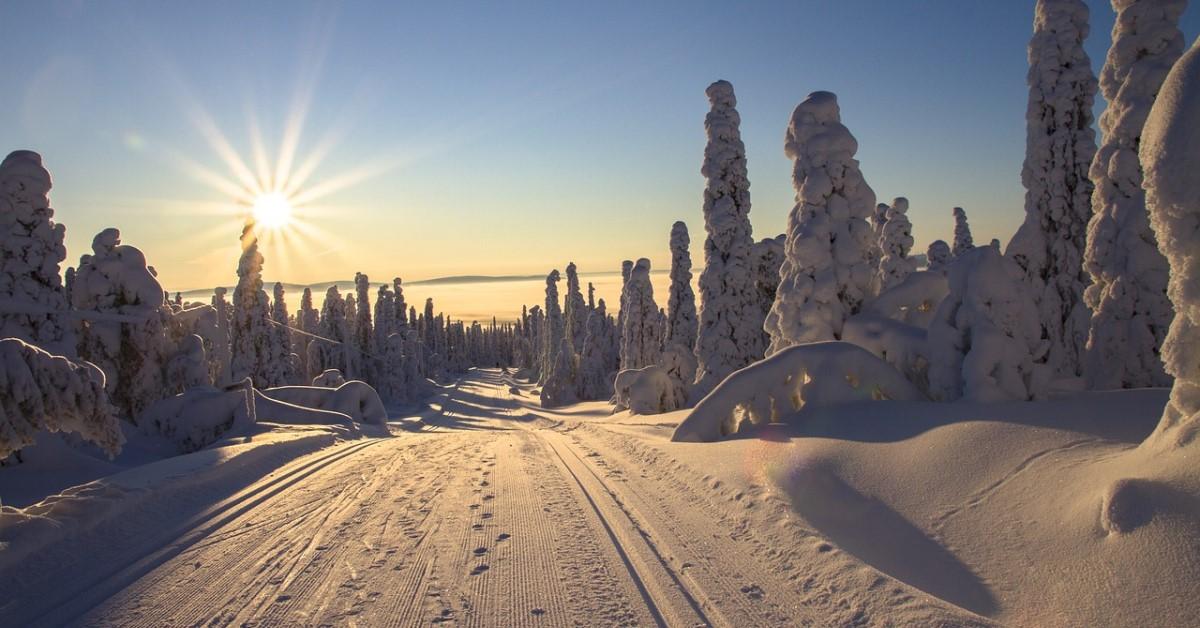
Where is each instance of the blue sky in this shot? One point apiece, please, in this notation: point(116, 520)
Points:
point(504, 137)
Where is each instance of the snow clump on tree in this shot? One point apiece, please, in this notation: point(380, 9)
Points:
point(895, 243)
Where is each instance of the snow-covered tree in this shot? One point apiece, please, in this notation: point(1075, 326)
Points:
point(329, 351)
point(963, 241)
point(1060, 145)
point(126, 328)
point(364, 333)
point(679, 358)
point(250, 329)
point(31, 252)
point(826, 273)
point(222, 355)
point(554, 328)
point(729, 336)
point(878, 220)
point(766, 258)
point(1170, 156)
point(574, 310)
point(641, 339)
point(895, 243)
point(594, 368)
point(1128, 291)
point(44, 392)
point(984, 333)
point(562, 385)
point(398, 289)
point(938, 254)
point(284, 365)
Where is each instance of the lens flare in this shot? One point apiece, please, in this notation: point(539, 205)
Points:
point(272, 210)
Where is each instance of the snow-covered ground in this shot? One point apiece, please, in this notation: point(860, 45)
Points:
point(487, 509)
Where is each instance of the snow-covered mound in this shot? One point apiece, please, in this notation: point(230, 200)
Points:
point(355, 399)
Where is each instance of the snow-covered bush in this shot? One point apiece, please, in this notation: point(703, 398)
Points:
point(730, 335)
point(937, 255)
point(355, 399)
point(31, 252)
point(1170, 155)
point(814, 374)
point(827, 272)
point(1060, 145)
point(894, 244)
point(963, 241)
point(646, 390)
point(1128, 293)
point(985, 335)
point(642, 336)
point(40, 391)
point(912, 301)
point(199, 416)
point(562, 385)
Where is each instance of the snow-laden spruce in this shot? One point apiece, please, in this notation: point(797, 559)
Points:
point(766, 258)
point(284, 365)
point(575, 310)
point(1128, 293)
point(984, 334)
point(44, 392)
point(561, 387)
point(554, 327)
point(826, 273)
point(729, 335)
point(364, 336)
point(963, 241)
point(894, 244)
point(32, 299)
point(594, 361)
point(328, 351)
point(1060, 145)
point(679, 358)
point(642, 336)
point(937, 255)
point(250, 329)
point(1170, 156)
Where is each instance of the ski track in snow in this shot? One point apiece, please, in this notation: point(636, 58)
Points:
point(492, 516)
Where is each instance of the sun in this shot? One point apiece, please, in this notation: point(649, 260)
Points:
point(272, 210)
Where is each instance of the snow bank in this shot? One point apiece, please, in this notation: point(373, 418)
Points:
point(40, 391)
point(646, 390)
point(354, 398)
point(806, 375)
point(200, 416)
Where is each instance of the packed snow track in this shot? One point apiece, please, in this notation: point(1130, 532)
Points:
point(491, 515)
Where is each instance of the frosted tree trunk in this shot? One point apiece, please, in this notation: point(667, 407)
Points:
point(729, 335)
point(1060, 145)
point(827, 272)
point(1128, 293)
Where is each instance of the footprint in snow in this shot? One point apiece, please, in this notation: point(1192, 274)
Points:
point(479, 569)
point(480, 551)
point(504, 536)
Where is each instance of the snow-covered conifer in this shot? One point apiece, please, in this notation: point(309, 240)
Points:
point(574, 310)
point(729, 335)
point(1170, 156)
point(963, 241)
point(31, 251)
point(826, 273)
point(250, 329)
point(937, 255)
point(364, 333)
point(594, 360)
point(1060, 145)
point(328, 352)
point(894, 244)
point(681, 299)
point(283, 364)
point(1128, 291)
point(641, 339)
point(562, 385)
point(554, 329)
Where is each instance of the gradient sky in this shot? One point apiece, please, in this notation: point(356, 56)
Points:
point(499, 138)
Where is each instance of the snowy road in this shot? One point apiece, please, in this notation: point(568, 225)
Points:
point(491, 516)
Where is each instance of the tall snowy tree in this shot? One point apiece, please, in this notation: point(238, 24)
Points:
point(31, 252)
point(285, 370)
point(364, 332)
point(1128, 291)
point(895, 244)
point(641, 339)
point(574, 310)
point(329, 352)
point(554, 331)
point(562, 385)
point(594, 370)
point(398, 289)
point(679, 358)
point(250, 330)
point(826, 273)
point(222, 355)
point(766, 258)
point(1060, 145)
point(729, 336)
point(963, 241)
point(1170, 155)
